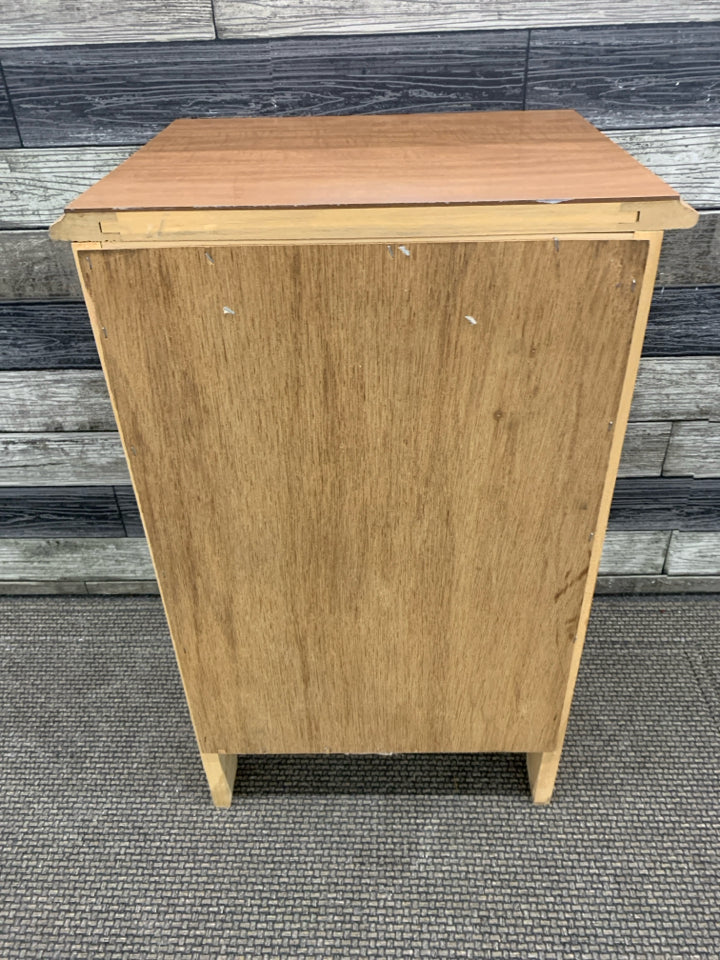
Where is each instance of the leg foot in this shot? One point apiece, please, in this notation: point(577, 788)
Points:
point(542, 770)
point(220, 771)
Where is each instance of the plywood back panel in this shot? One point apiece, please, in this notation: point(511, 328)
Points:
point(369, 476)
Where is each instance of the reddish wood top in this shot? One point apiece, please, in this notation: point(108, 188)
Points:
point(433, 158)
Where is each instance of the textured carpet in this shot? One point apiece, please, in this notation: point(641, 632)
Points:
point(110, 846)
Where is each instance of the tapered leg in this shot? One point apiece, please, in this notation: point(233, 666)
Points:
point(542, 770)
point(220, 769)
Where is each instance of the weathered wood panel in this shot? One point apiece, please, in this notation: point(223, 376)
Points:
point(684, 322)
point(634, 552)
point(8, 131)
point(55, 459)
point(666, 504)
point(644, 449)
point(75, 559)
point(692, 256)
point(39, 23)
point(129, 511)
point(247, 18)
point(399, 74)
point(18, 588)
point(33, 267)
point(49, 401)
point(122, 587)
point(632, 76)
point(46, 335)
point(36, 185)
point(125, 94)
point(694, 450)
point(43, 512)
point(693, 553)
point(118, 94)
point(687, 159)
point(677, 388)
point(661, 585)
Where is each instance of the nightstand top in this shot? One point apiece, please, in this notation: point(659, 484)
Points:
point(468, 158)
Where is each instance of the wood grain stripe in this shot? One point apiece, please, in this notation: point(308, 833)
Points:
point(634, 552)
point(628, 76)
point(33, 267)
point(684, 322)
point(677, 388)
point(694, 450)
point(54, 459)
point(37, 22)
point(40, 512)
point(247, 18)
point(46, 335)
point(75, 559)
point(666, 504)
point(693, 553)
point(48, 401)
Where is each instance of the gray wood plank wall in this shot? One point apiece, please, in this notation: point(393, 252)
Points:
point(80, 88)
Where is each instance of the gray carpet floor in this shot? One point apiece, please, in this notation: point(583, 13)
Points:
point(110, 846)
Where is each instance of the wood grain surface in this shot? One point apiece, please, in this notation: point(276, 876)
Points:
point(462, 158)
point(688, 159)
point(48, 401)
point(118, 94)
point(82, 558)
point(694, 449)
point(684, 322)
point(33, 267)
point(39, 512)
point(43, 335)
point(644, 449)
point(373, 471)
point(678, 388)
point(693, 553)
point(666, 504)
point(129, 511)
point(634, 552)
point(633, 76)
point(53, 459)
point(9, 136)
point(247, 18)
point(37, 184)
point(692, 256)
point(39, 23)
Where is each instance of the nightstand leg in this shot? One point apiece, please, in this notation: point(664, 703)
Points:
point(542, 770)
point(220, 771)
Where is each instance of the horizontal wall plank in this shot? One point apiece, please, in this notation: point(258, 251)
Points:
point(684, 322)
point(661, 585)
point(75, 559)
point(677, 388)
point(34, 267)
point(692, 256)
point(694, 450)
point(49, 401)
point(688, 159)
point(249, 18)
point(628, 76)
point(37, 22)
point(20, 588)
point(129, 511)
point(57, 459)
point(666, 504)
point(46, 335)
point(36, 185)
point(399, 74)
point(133, 587)
point(693, 554)
point(644, 449)
point(124, 94)
point(634, 552)
point(40, 512)
point(8, 131)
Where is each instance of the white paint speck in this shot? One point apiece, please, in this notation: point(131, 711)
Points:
point(471, 319)
point(405, 251)
point(228, 310)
